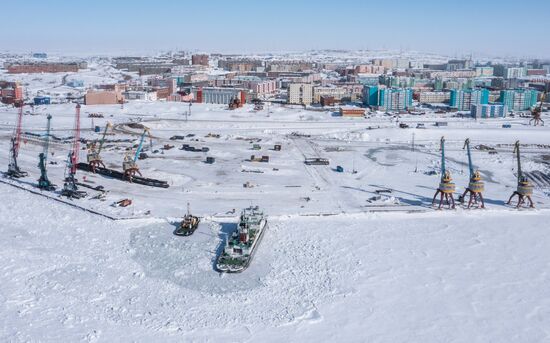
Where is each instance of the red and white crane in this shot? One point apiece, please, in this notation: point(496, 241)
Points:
point(13, 167)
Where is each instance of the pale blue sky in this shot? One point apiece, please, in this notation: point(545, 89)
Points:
point(510, 28)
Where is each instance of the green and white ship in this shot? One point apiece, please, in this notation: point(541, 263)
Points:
point(243, 242)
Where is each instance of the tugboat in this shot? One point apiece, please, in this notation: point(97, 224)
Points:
point(188, 225)
point(241, 245)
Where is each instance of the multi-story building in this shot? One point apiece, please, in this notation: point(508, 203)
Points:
point(289, 66)
point(369, 69)
point(140, 95)
point(509, 72)
point(262, 88)
point(43, 67)
point(451, 74)
point(300, 93)
point(484, 71)
point(453, 65)
point(391, 63)
point(10, 92)
point(240, 65)
point(434, 97)
point(463, 99)
point(388, 99)
point(489, 111)
point(219, 95)
point(200, 59)
point(536, 72)
point(335, 92)
point(519, 99)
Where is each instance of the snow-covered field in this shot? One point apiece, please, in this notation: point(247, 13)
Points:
point(432, 277)
point(340, 262)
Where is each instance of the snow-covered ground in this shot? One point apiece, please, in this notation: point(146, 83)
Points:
point(340, 261)
point(430, 277)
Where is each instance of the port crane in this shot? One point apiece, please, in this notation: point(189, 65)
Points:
point(43, 182)
point(446, 186)
point(94, 157)
point(70, 188)
point(13, 167)
point(536, 113)
point(525, 188)
point(475, 186)
point(129, 165)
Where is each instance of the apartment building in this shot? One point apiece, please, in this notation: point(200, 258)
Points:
point(300, 93)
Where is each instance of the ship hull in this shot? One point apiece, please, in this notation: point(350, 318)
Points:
point(231, 269)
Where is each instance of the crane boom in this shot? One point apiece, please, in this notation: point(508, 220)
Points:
point(470, 165)
point(17, 141)
point(47, 138)
point(518, 156)
point(442, 157)
point(76, 141)
point(103, 138)
point(140, 146)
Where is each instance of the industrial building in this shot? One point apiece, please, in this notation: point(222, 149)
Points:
point(388, 99)
point(488, 111)
point(463, 99)
point(300, 93)
point(350, 111)
point(519, 99)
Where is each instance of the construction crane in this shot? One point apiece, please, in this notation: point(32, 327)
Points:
point(536, 113)
point(525, 188)
point(13, 167)
point(129, 165)
point(70, 188)
point(475, 186)
point(94, 157)
point(446, 186)
point(43, 182)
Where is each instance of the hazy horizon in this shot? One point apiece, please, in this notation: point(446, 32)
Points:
point(479, 28)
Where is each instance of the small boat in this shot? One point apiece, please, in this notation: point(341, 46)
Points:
point(188, 225)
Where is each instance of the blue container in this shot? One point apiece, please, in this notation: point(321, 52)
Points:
point(339, 169)
point(42, 100)
point(97, 129)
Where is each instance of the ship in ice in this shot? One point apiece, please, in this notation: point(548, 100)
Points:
point(243, 242)
point(188, 225)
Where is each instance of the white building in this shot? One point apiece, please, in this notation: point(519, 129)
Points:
point(300, 93)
